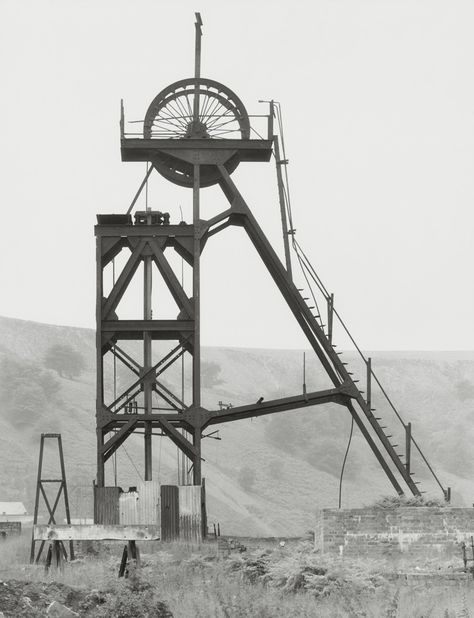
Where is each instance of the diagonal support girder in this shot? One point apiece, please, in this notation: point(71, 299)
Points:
point(334, 395)
point(171, 279)
point(181, 442)
point(108, 448)
point(123, 280)
point(316, 336)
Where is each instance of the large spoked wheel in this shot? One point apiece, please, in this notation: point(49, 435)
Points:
point(220, 115)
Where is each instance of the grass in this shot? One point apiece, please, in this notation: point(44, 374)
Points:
point(260, 583)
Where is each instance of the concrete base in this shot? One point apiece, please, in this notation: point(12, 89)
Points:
point(378, 531)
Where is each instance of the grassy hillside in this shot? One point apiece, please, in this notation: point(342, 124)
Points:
point(265, 476)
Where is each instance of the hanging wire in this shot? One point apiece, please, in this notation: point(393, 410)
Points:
point(132, 462)
point(146, 186)
point(344, 460)
point(159, 456)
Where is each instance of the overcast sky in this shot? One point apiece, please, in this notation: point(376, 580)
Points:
point(378, 105)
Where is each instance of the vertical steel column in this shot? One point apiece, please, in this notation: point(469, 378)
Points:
point(196, 264)
point(281, 198)
point(369, 383)
point(408, 447)
point(183, 479)
point(38, 489)
point(99, 361)
point(197, 479)
point(147, 362)
point(66, 497)
point(197, 322)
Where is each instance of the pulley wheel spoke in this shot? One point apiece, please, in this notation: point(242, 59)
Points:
point(171, 114)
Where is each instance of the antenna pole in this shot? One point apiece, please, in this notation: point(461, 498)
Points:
point(197, 65)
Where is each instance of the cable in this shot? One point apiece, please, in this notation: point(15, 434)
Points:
point(132, 462)
point(344, 461)
point(159, 457)
point(309, 272)
point(146, 186)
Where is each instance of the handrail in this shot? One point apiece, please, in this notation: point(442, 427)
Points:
point(308, 270)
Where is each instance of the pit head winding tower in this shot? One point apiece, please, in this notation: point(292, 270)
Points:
point(195, 134)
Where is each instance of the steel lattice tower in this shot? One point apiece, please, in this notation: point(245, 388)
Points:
point(195, 134)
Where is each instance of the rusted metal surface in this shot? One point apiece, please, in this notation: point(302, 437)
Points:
point(169, 512)
point(190, 513)
point(106, 505)
point(95, 532)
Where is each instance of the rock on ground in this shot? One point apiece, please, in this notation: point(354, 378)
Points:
point(58, 610)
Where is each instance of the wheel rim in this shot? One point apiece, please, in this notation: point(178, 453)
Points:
point(222, 114)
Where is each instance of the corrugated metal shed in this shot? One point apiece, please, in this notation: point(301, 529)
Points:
point(128, 507)
point(141, 506)
point(169, 513)
point(106, 505)
point(149, 502)
point(190, 513)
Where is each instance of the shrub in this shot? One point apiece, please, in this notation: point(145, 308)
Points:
point(25, 390)
point(128, 604)
point(247, 478)
point(210, 371)
point(63, 359)
point(392, 502)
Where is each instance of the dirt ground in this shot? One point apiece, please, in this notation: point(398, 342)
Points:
point(31, 599)
point(90, 581)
